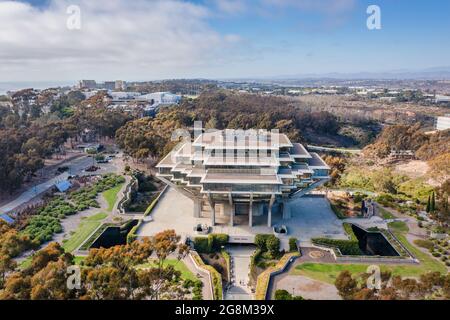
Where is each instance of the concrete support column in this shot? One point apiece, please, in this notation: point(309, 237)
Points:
point(197, 208)
point(286, 209)
point(250, 212)
point(213, 215)
point(232, 216)
point(213, 210)
point(269, 213)
point(230, 199)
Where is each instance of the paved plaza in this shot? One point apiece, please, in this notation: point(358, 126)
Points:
point(311, 217)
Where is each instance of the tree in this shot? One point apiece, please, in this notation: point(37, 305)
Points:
point(428, 209)
point(273, 245)
point(433, 202)
point(7, 265)
point(293, 244)
point(346, 285)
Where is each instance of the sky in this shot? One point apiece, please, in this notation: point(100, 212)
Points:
point(49, 40)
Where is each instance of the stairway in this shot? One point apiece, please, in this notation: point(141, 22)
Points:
point(239, 268)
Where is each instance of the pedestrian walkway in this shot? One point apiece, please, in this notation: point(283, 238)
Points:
point(238, 288)
point(33, 192)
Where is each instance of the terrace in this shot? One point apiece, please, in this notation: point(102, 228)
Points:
point(311, 217)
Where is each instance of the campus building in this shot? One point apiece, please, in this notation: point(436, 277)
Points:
point(443, 123)
point(234, 176)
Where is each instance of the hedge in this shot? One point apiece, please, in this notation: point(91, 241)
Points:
point(346, 247)
point(349, 230)
point(202, 245)
point(213, 242)
point(293, 244)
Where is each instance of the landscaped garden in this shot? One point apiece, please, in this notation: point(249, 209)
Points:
point(86, 227)
point(211, 252)
point(47, 221)
point(146, 191)
point(111, 196)
point(328, 272)
point(345, 205)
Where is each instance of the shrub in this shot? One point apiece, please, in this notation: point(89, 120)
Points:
point(282, 295)
point(347, 247)
point(436, 254)
point(202, 245)
point(427, 244)
point(217, 240)
point(273, 245)
point(261, 240)
point(285, 295)
point(293, 244)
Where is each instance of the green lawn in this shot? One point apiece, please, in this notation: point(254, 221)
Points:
point(84, 230)
point(79, 259)
point(178, 265)
point(25, 263)
point(385, 213)
point(327, 272)
point(111, 196)
point(398, 226)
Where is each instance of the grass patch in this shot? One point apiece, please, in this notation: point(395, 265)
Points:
point(398, 226)
point(111, 196)
point(385, 214)
point(86, 227)
point(426, 262)
point(178, 265)
point(78, 259)
point(25, 263)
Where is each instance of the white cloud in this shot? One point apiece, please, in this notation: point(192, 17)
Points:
point(328, 7)
point(117, 39)
point(322, 6)
point(231, 6)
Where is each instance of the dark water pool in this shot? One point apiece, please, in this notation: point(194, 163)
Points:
point(114, 235)
point(373, 243)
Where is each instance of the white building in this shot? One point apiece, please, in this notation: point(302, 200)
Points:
point(160, 98)
point(443, 123)
point(441, 99)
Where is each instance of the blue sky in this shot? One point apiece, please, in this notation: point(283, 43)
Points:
point(220, 38)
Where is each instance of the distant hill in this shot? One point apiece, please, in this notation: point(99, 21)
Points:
point(403, 137)
point(435, 73)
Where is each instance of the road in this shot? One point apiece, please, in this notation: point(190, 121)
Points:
point(76, 167)
point(340, 150)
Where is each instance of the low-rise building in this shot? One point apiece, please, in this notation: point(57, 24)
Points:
point(443, 123)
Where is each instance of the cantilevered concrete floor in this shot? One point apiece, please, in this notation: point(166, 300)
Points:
point(311, 217)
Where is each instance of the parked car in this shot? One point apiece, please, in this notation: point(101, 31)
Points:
point(92, 168)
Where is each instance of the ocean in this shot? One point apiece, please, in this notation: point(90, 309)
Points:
point(14, 86)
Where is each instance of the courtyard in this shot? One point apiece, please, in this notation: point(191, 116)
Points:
point(311, 217)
